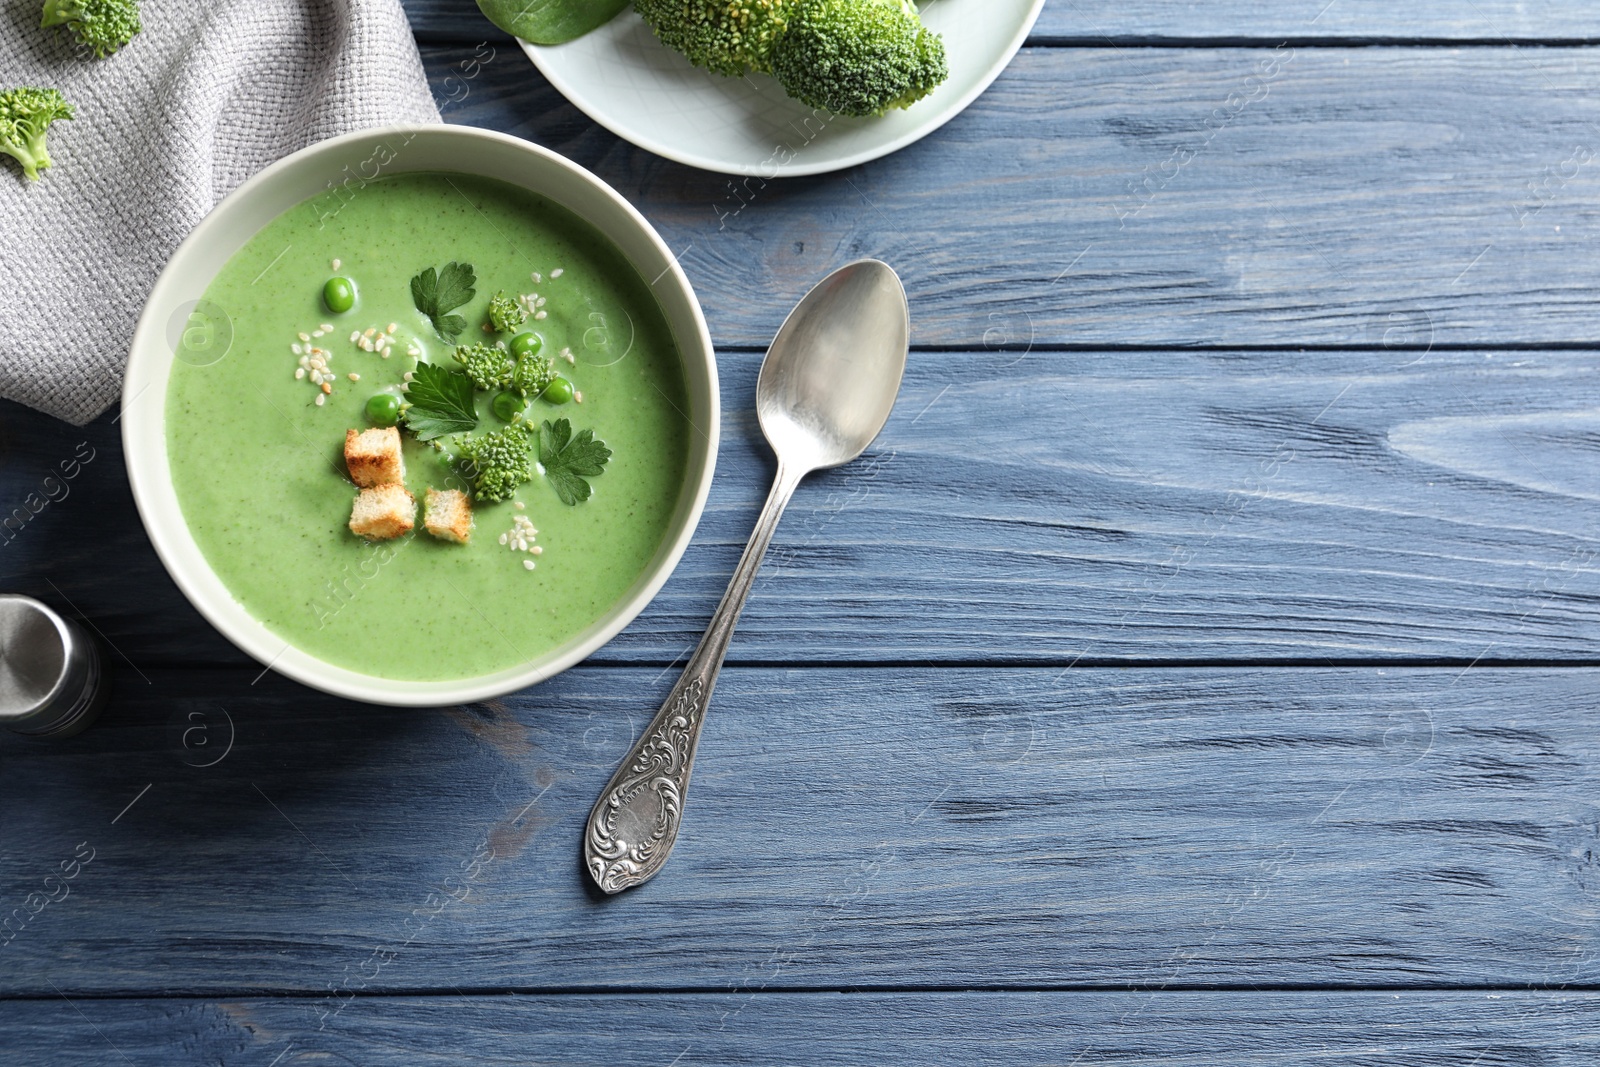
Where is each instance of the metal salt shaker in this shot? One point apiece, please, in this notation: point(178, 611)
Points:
point(51, 684)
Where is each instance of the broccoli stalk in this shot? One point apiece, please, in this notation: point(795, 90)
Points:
point(497, 462)
point(102, 25)
point(858, 57)
point(25, 117)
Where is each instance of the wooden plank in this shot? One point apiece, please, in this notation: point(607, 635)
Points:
point(1141, 21)
point(1160, 506)
point(822, 1030)
point(1160, 829)
point(1161, 197)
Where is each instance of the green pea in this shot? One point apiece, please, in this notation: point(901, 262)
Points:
point(526, 344)
point(559, 391)
point(508, 405)
point(383, 409)
point(339, 294)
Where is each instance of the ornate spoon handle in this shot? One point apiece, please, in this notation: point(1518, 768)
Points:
point(635, 822)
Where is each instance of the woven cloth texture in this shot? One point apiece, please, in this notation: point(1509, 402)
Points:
point(208, 94)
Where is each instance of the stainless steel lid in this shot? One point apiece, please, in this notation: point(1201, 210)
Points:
point(49, 670)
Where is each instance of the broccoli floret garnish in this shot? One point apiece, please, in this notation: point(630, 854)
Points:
point(505, 313)
point(722, 36)
point(102, 25)
point(25, 117)
point(497, 462)
point(858, 57)
point(489, 366)
point(532, 374)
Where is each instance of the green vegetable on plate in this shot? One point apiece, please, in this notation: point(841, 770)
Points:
point(858, 57)
point(25, 118)
point(550, 21)
point(849, 57)
point(103, 26)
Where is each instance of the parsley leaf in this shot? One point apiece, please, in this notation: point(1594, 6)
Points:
point(440, 402)
point(567, 460)
point(437, 293)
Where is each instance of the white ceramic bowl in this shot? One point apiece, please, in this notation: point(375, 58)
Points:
point(314, 171)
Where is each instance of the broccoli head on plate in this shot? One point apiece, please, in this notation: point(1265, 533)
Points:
point(725, 36)
point(858, 57)
point(849, 57)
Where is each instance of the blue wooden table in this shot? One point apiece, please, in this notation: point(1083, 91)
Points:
point(1200, 669)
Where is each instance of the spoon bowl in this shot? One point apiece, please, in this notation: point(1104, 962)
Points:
point(832, 373)
point(825, 391)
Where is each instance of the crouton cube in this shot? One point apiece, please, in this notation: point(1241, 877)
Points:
point(448, 515)
point(373, 457)
point(383, 512)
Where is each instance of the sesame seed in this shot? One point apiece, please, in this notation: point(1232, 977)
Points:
point(527, 564)
point(316, 332)
point(558, 272)
point(408, 376)
point(296, 349)
point(392, 328)
point(355, 335)
point(537, 277)
point(540, 315)
point(577, 395)
point(336, 264)
point(370, 331)
point(519, 505)
point(354, 377)
point(504, 538)
point(326, 328)
point(320, 399)
point(305, 336)
point(537, 550)
point(299, 372)
point(541, 302)
point(326, 388)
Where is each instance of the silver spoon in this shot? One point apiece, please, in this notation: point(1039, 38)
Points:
point(825, 390)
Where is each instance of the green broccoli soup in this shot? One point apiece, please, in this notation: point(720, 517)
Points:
point(430, 430)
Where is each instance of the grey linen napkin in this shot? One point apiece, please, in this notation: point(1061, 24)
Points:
point(207, 95)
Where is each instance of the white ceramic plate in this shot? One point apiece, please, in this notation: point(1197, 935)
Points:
point(336, 168)
point(640, 90)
